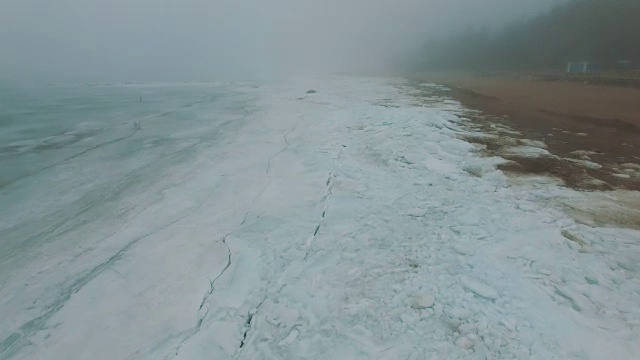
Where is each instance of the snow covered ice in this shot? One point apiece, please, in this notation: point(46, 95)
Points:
point(264, 222)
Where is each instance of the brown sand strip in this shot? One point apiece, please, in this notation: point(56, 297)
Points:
point(598, 124)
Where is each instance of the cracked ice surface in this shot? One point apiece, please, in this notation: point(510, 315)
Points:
point(266, 223)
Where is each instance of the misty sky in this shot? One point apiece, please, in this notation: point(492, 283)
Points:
point(166, 40)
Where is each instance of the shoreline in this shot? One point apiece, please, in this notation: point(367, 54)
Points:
point(591, 134)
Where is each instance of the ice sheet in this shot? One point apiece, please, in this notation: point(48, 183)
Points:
point(275, 224)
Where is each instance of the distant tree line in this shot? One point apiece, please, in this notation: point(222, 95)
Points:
point(606, 32)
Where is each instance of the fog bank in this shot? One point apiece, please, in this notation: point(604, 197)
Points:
point(201, 40)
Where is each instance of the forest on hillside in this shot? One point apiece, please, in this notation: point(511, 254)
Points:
point(606, 32)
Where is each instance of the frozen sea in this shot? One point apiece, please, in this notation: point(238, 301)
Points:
point(256, 221)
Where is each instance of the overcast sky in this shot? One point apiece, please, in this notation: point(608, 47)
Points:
point(166, 40)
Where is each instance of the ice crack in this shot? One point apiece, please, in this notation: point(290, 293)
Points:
point(203, 309)
point(249, 322)
point(329, 184)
